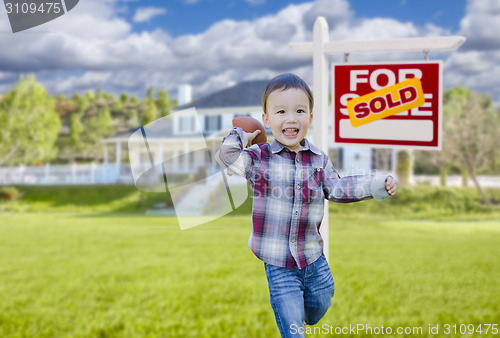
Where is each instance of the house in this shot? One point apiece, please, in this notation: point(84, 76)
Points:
point(184, 143)
point(186, 140)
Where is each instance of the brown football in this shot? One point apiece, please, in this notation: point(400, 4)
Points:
point(249, 125)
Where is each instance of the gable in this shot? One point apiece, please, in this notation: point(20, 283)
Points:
point(244, 94)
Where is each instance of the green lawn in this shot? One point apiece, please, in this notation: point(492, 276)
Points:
point(128, 275)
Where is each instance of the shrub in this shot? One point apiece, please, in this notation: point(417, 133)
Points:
point(9, 193)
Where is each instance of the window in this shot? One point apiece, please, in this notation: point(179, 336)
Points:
point(213, 123)
point(186, 124)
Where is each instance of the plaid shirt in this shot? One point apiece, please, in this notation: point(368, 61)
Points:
point(289, 190)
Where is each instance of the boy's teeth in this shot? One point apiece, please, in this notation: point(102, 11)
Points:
point(290, 131)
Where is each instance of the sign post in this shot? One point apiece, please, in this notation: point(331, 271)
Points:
point(321, 47)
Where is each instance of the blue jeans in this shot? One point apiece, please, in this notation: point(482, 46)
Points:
point(300, 295)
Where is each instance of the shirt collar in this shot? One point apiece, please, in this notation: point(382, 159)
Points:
point(276, 147)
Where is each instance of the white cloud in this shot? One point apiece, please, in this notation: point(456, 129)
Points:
point(476, 64)
point(374, 29)
point(88, 81)
point(336, 12)
point(144, 14)
point(481, 25)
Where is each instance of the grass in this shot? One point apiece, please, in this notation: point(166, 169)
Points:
point(414, 202)
point(85, 198)
point(129, 275)
point(426, 203)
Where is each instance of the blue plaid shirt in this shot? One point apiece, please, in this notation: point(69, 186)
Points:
point(289, 190)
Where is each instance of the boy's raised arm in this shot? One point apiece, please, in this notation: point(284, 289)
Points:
point(233, 155)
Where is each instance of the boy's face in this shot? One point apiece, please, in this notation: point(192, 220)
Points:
point(288, 116)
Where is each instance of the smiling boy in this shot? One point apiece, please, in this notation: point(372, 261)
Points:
point(291, 179)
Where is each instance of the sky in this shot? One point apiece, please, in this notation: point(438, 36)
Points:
point(131, 45)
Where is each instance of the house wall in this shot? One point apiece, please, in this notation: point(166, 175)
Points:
point(226, 116)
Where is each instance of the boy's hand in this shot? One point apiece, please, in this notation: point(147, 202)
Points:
point(251, 136)
point(390, 186)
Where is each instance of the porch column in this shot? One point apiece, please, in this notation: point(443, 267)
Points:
point(105, 155)
point(104, 168)
point(47, 173)
point(186, 156)
point(92, 169)
point(159, 156)
point(211, 160)
point(118, 160)
point(394, 160)
point(175, 162)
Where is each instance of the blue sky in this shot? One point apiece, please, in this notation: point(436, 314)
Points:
point(130, 45)
point(200, 15)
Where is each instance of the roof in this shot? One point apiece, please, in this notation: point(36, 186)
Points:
point(160, 129)
point(121, 136)
point(244, 94)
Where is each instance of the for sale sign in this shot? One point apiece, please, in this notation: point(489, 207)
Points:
point(388, 104)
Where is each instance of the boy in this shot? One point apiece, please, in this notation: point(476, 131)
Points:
point(290, 180)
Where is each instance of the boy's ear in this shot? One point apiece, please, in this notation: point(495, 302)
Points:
point(265, 119)
point(310, 118)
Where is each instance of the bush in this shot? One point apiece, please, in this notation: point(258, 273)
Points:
point(90, 198)
point(9, 193)
point(420, 202)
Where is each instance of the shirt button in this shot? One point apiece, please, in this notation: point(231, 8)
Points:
point(298, 160)
point(293, 240)
point(298, 186)
point(318, 169)
point(296, 213)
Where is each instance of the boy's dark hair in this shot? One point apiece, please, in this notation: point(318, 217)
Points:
point(284, 82)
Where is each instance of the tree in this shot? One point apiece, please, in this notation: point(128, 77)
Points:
point(163, 103)
point(82, 103)
point(94, 128)
point(404, 167)
point(470, 125)
point(117, 106)
point(105, 122)
point(70, 146)
point(30, 124)
point(124, 97)
point(132, 118)
point(150, 93)
point(90, 96)
point(99, 93)
point(149, 114)
point(75, 129)
point(90, 137)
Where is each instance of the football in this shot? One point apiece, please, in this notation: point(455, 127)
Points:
point(249, 125)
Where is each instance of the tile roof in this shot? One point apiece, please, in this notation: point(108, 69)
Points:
point(244, 94)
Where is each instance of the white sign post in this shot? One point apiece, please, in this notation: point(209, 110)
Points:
point(321, 47)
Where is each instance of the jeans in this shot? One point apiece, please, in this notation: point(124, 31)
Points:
point(299, 295)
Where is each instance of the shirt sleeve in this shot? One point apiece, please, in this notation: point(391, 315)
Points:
point(353, 188)
point(377, 186)
point(235, 157)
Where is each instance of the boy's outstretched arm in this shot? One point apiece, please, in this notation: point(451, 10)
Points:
point(357, 187)
point(390, 185)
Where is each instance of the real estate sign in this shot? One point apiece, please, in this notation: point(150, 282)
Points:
point(388, 104)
